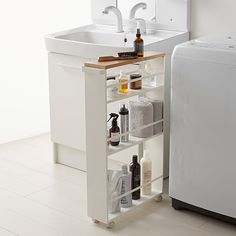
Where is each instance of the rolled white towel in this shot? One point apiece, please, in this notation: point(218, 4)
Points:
point(141, 113)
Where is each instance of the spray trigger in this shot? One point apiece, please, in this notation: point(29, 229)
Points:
point(113, 115)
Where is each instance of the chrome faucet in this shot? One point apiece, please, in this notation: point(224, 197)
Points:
point(136, 7)
point(117, 12)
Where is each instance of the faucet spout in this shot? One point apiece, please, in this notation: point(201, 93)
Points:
point(136, 7)
point(118, 14)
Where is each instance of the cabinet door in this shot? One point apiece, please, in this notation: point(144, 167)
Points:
point(67, 100)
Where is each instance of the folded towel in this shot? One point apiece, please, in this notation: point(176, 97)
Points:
point(157, 113)
point(141, 113)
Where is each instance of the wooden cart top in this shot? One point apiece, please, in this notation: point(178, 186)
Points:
point(112, 64)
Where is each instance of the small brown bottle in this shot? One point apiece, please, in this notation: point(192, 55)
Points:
point(136, 84)
point(138, 44)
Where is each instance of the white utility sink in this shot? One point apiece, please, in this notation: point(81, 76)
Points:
point(94, 40)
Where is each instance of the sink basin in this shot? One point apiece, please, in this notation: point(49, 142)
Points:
point(104, 38)
point(93, 41)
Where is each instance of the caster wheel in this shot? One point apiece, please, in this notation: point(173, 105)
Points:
point(95, 221)
point(158, 198)
point(111, 225)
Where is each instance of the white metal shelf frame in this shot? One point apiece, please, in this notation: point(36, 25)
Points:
point(132, 93)
point(139, 128)
point(134, 80)
point(133, 141)
point(96, 145)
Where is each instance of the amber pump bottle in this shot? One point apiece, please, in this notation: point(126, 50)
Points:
point(114, 131)
point(138, 44)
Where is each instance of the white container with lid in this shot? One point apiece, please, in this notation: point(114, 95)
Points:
point(112, 90)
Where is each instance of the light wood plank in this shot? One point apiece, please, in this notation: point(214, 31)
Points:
point(113, 64)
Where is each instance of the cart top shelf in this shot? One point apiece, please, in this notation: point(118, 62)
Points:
point(112, 64)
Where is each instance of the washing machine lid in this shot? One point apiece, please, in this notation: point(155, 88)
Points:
point(213, 48)
point(219, 39)
point(225, 42)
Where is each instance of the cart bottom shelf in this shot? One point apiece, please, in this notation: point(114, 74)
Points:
point(144, 198)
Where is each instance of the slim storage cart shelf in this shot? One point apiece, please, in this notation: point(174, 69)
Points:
point(100, 156)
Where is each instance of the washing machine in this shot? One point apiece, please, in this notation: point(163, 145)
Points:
point(203, 126)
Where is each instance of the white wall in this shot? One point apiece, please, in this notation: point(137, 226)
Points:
point(212, 16)
point(24, 106)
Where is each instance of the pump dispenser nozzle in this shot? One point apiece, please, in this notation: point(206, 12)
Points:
point(138, 33)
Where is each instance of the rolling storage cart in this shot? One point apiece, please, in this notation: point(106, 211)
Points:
point(100, 156)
